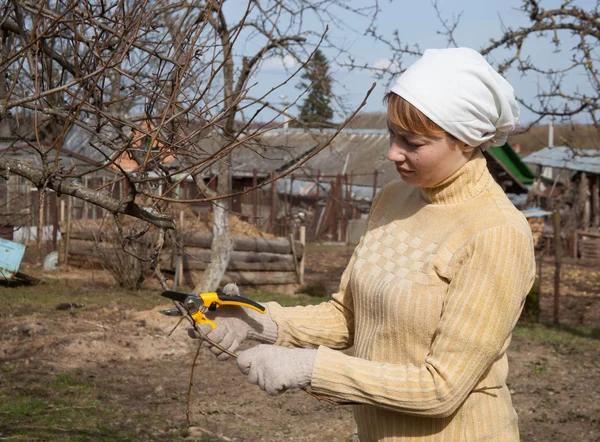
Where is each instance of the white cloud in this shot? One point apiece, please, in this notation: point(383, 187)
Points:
point(384, 64)
point(278, 64)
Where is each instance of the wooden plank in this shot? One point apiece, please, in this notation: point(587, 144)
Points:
point(589, 249)
point(194, 253)
point(247, 244)
point(590, 234)
point(248, 266)
point(81, 248)
point(259, 278)
point(202, 240)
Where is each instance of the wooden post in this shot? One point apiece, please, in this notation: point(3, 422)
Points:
point(303, 242)
point(595, 184)
point(335, 198)
point(40, 226)
point(181, 251)
point(7, 197)
point(295, 257)
point(318, 186)
point(344, 210)
point(557, 256)
point(374, 185)
point(68, 238)
point(539, 285)
point(273, 197)
point(86, 206)
point(62, 209)
point(255, 197)
point(54, 213)
point(350, 200)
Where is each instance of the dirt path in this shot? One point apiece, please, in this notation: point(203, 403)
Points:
point(109, 371)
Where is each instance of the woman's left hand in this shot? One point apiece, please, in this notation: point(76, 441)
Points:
point(276, 369)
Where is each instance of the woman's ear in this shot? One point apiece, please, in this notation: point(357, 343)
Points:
point(466, 148)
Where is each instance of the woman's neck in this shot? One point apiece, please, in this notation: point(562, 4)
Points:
point(464, 184)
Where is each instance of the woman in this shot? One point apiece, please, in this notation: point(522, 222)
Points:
point(435, 287)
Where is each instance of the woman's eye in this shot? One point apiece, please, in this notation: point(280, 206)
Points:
point(408, 143)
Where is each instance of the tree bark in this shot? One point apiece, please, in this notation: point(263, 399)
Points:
point(222, 244)
point(221, 248)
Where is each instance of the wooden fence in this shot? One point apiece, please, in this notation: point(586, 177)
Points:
point(586, 244)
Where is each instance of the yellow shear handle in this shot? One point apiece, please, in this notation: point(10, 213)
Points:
point(213, 300)
point(200, 318)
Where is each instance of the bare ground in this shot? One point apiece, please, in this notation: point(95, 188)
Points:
point(109, 370)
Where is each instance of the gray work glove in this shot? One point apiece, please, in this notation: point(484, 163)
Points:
point(234, 325)
point(276, 369)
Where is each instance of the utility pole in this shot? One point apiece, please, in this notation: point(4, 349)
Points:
point(286, 123)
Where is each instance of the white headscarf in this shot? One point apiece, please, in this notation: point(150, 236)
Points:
point(460, 92)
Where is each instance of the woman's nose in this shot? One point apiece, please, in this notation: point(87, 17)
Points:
point(395, 154)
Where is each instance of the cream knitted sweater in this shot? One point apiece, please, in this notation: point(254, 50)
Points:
point(428, 300)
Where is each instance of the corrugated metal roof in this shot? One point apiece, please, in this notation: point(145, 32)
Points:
point(309, 189)
point(27, 153)
point(561, 157)
point(357, 152)
point(369, 120)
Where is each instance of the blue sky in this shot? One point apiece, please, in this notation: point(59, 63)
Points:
point(416, 22)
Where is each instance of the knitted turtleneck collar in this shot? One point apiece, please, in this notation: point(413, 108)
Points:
point(466, 183)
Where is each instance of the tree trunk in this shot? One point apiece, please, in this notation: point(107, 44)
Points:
point(222, 245)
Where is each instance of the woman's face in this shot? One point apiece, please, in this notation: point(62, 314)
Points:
point(424, 161)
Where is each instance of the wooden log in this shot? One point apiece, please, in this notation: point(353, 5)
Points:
point(81, 248)
point(259, 278)
point(247, 244)
point(248, 266)
point(194, 253)
point(84, 247)
point(203, 241)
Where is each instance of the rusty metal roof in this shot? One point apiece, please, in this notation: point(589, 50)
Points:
point(562, 157)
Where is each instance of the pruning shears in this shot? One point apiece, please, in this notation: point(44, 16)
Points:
point(196, 306)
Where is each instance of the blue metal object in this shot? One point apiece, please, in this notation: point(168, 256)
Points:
point(535, 212)
point(11, 254)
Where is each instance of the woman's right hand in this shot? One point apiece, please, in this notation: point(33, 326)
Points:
point(234, 325)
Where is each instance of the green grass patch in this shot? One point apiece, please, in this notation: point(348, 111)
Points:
point(24, 300)
point(23, 407)
point(561, 334)
point(48, 410)
point(65, 382)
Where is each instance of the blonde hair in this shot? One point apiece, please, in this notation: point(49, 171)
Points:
point(407, 117)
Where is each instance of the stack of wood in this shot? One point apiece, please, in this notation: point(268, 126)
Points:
point(537, 229)
point(587, 244)
point(254, 260)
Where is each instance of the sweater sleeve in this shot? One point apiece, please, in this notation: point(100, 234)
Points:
point(330, 323)
point(491, 276)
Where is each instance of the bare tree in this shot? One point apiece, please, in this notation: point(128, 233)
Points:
point(569, 29)
point(164, 87)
